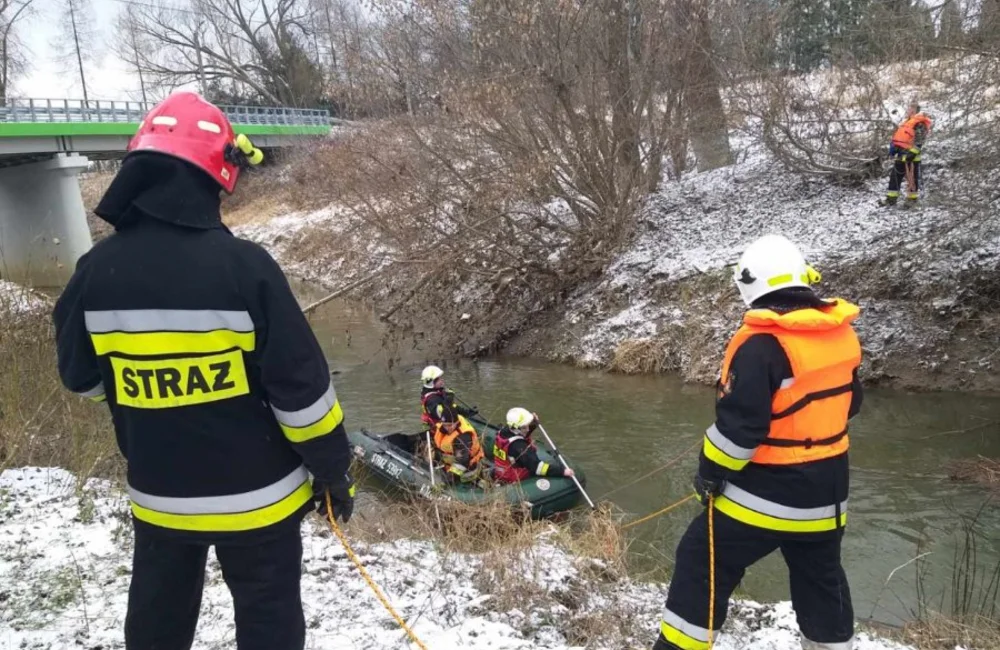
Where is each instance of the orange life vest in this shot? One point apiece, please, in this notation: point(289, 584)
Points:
point(445, 443)
point(905, 135)
point(809, 412)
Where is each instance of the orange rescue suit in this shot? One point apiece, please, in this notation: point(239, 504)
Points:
point(445, 443)
point(809, 412)
point(905, 135)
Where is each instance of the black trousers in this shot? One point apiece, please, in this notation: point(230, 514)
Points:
point(820, 594)
point(168, 576)
point(897, 177)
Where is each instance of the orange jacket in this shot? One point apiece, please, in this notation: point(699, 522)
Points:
point(445, 443)
point(810, 413)
point(905, 135)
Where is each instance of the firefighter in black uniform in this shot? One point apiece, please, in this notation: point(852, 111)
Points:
point(433, 395)
point(219, 392)
point(773, 471)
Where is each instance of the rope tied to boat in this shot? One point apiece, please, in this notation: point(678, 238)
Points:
point(663, 511)
point(368, 579)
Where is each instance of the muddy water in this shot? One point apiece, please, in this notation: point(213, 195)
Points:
point(618, 428)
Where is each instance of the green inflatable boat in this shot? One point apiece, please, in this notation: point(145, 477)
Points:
point(391, 457)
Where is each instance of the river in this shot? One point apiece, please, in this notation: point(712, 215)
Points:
point(618, 427)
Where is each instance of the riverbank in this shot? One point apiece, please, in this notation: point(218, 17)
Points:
point(65, 563)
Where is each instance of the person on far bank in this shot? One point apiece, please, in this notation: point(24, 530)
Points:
point(773, 473)
point(904, 149)
point(434, 394)
point(457, 445)
point(515, 456)
point(219, 392)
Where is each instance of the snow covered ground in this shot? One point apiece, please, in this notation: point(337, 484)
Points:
point(65, 563)
point(19, 300)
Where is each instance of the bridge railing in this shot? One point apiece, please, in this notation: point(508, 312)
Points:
point(73, 110)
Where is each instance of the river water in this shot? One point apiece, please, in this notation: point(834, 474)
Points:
point(617, 428)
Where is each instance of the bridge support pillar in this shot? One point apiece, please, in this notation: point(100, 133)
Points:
point(43, 224)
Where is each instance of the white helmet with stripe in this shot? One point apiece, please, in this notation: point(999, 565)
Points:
point(519, 418)
point(769, 264)
point(430, 375)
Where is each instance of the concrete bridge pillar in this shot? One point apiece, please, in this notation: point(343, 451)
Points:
point(43, 224)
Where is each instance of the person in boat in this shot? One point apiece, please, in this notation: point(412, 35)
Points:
point(457, 445)
point(773, 472)
point(434, 394)
point(515, 456)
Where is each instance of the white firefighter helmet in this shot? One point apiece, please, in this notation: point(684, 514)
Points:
point(519, 418)
point(769, 264)
point(429, 375)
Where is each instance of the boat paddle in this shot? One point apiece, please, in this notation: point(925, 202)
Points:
point(430, 466)
point(562, 460)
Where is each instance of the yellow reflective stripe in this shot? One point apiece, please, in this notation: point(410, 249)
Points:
point(720, 457)
point(225, 523)
point(99, 398)
point(543, 468)
point(150, 343)
point(170, 383)
point(780, 279)
point(325, 425)
point(679, 639)
point(352, 490)
point(754, 518)
point(892, 194)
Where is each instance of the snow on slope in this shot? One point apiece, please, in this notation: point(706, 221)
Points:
point(16, 299)
point(65, 563)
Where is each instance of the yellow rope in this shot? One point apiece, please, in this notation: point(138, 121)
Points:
point(668, 464)
point(711, 569)
point(658, 512)
point(371, 583)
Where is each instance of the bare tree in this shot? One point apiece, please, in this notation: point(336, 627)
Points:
point(129, 44)
point(77, 40)
point(260, 46)
point(12, 54)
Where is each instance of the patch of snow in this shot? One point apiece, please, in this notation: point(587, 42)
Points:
point(15, 299)
point(65, 562)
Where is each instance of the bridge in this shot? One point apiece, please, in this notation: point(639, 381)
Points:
point(46, 143)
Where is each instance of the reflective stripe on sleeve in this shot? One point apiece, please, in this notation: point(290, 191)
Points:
point(752, 509)
point(95, 394)
point(721, 450)
point(318, 419)
point(682, 634)
point(542, 469)
point(228, 513)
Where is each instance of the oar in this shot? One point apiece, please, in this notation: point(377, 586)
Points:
point(430, 465)
point(562, 460)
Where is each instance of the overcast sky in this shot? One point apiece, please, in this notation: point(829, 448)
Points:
point(107, 77)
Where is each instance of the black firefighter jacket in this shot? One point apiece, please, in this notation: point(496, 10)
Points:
point(220, 394)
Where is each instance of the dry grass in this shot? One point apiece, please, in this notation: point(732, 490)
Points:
point(41, 423)
point(945, 633)
point(643, 356)
point(981, 470)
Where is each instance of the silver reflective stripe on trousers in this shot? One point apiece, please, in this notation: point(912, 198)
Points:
point(727, 446)
point(219, 505)
point(167, 320)
point(816, 645)
point(96, 391)
point(763, 506)
point(310, 414)
point(678, 623)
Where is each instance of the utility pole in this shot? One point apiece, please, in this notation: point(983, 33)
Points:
point(201, 63)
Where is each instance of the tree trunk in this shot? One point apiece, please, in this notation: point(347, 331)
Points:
point(623, 123)
point(706, 116)
point(79, 55)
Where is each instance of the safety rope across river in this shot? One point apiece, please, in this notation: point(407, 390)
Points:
point(371, 583)
point(663, 511)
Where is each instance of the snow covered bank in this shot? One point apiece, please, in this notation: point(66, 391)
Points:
point(65, 563)
point(15, 299)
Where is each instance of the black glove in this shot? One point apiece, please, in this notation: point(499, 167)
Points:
point(705, 487)
point(341, 497)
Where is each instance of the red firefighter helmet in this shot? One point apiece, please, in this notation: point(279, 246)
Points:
point(188, 127)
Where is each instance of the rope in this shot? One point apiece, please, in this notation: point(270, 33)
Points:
point(672, 461)
point(371, 583)
point(711, 569)
point(658, 512)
